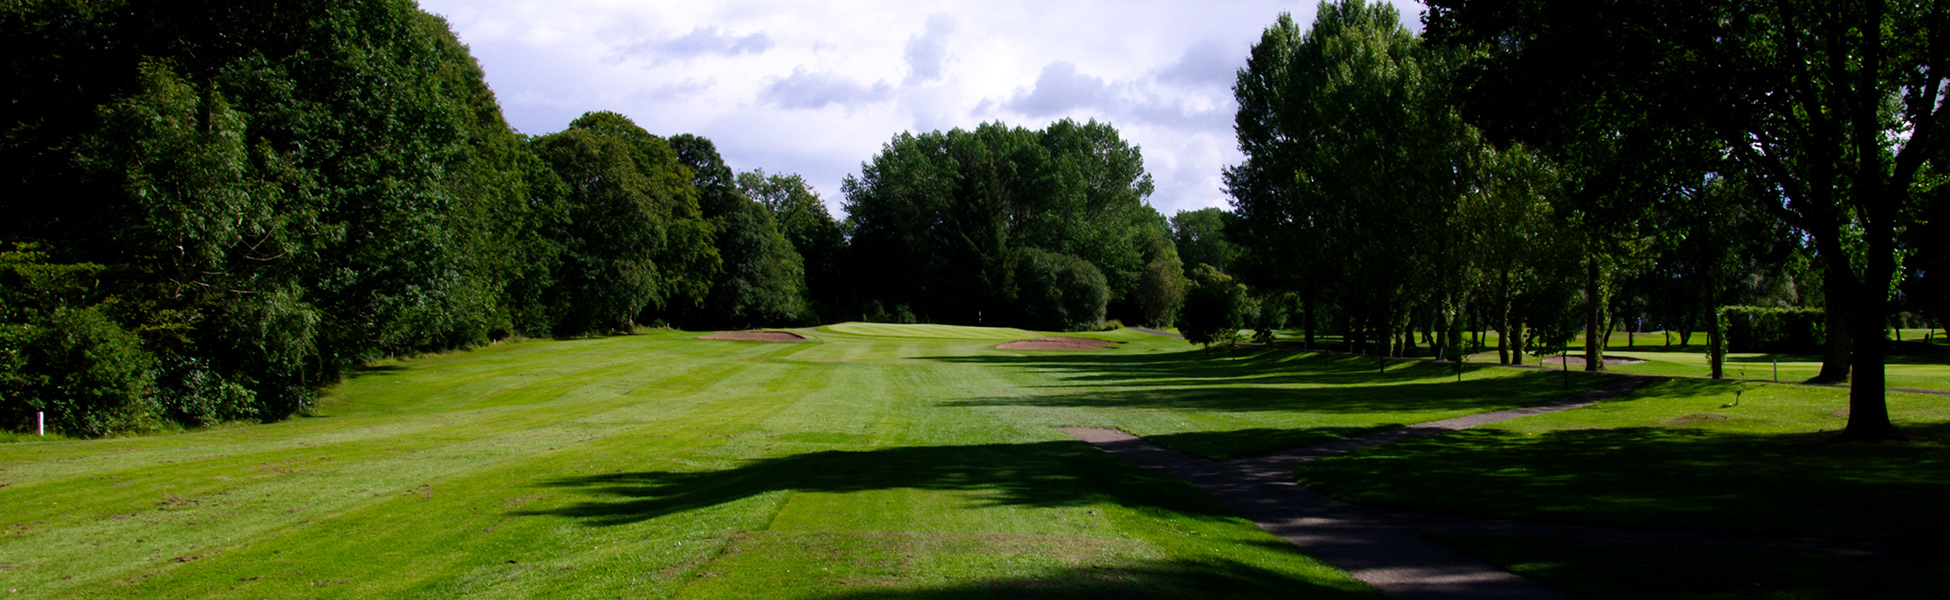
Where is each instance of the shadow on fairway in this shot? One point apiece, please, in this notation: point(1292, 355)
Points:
point(1061, 473)
point(1688, 477)
point(1246, 365)
point(1227, 445)
point(1146, 581)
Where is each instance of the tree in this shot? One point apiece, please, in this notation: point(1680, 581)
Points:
point(1200, 238)
point(937, 218)
point(633, 237)
point(1057, 292)
point(276, 191)
point(818, 238)
point(1838, 104)
point(1215, 308)
point(1351, 178)
point(1160, 291)
point(761, 279)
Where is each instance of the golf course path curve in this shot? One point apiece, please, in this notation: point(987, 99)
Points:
point(1383, 547)
point(1374, 545)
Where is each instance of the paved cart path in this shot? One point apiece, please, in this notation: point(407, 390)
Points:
point(1385, 549)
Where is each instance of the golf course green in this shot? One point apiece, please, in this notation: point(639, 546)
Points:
point(883, 461)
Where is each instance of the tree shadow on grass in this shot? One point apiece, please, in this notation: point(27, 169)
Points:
point(1662, 477)
point(1478, 394)
point(1212, 578)
point(1043, 474)
point(1238, 443)
point(1253, 365)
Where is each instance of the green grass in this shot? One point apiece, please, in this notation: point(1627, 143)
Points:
point(1912, 365)
point(883, 461)
point(953, 332)
point(1677, 454)
point(858, 465)
point(1912, 372)
point(1591, 571)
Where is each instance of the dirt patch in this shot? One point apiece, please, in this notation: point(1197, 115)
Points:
point(755, 336)
point(1059, 343)
point(1578, 361)
point(1693, 419)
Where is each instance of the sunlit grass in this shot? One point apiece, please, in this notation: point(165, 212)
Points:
point(645, 466)
point(1682, 453)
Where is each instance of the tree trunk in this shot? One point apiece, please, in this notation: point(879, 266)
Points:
point(1835, 350)
point(1476, 327)
point(1716, 350)
point(1868, 408)
point(1505, 333)
point(1348, 335)
point(1594, 348)
point(1307, 318)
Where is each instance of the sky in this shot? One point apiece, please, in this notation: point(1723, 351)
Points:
point(816, 88)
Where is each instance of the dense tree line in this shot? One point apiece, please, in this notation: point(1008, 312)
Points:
point(216, 208)
point(1538, 168)
point(1007, 226)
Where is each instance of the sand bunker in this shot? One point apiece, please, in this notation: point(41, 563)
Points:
point(1059, 343)
point(1578, 361)
point(756, 336)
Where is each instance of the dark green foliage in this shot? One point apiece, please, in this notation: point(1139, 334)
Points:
point(1763, 329)
point(936, 218)
point(761, 281)
point(819, 240)
point(1160, 291)
point(89, 375)
point(1201, 238)
point(1215, 308)
point(275, 191)
point(1058, 292)
point(632, 236)
point(1838, 105)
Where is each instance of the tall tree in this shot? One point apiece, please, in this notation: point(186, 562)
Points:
point(275, 190)
point(1200, 238)
point(1838, 104)
point(633, 236)
point(819, 239)
point(938, 219)
point(1353, 157)
point(761, 280)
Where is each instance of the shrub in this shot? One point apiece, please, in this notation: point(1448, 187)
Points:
point(192, 393)
point(1058, 292)
point(89, 375)
point(1215, 308)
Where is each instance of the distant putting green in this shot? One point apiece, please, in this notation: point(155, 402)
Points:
point(942, 332)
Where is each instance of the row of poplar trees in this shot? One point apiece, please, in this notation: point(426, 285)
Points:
point(216, 208)
point(1541, 165)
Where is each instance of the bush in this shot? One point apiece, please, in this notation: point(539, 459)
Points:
point(192, 393)
point(1058, 292)
point(1215, 308)
point(89, 375)
point(1761, 329)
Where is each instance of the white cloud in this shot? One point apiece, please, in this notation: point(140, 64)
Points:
point(927, 53)
point(702, 41)
point(816, 88)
